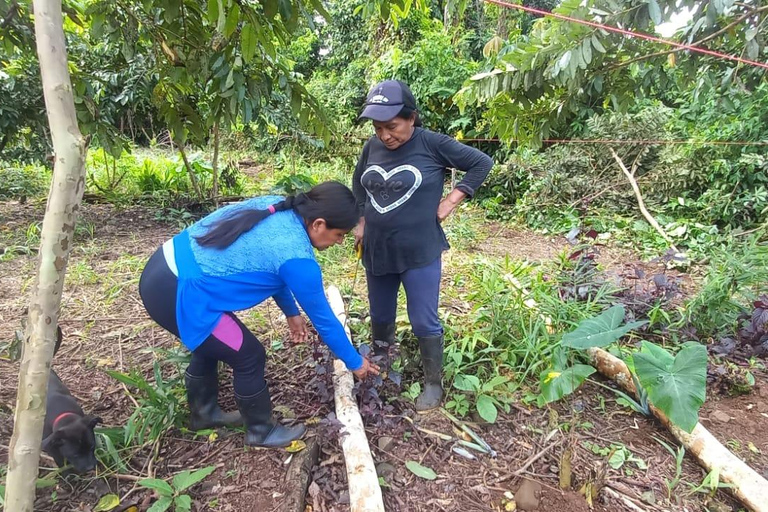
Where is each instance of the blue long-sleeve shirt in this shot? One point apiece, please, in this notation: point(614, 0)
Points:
point(274, 259)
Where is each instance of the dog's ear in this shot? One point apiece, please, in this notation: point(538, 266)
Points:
point(52, 442)
point(92, 421)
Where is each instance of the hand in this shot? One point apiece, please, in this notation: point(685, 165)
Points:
point(367, 369)
point(449, 203)
point(358, 232)
point(298, 329)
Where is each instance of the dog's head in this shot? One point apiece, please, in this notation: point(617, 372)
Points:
point(74, 442)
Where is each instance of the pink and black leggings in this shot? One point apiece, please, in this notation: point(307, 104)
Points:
point(230, 342)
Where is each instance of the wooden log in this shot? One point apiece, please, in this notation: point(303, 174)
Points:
point(748, 486)
point(299, 475)
point(363, 482)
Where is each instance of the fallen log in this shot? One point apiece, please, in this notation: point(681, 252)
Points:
point(363, 482)
point(748, 486)
point(299, 475)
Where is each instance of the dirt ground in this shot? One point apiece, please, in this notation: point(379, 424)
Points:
point(105, 327)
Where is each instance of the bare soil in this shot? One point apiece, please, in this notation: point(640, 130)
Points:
point(105, 327)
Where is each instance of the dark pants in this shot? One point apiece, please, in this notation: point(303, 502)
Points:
point(230, 342)
point(422, 291)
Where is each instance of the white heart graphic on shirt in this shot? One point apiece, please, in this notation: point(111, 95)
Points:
point(400, 195)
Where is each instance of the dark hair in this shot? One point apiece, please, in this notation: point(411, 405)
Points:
point(407, 113)
point(330, 201)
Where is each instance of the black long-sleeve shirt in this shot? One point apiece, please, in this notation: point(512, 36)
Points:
point(399, 191)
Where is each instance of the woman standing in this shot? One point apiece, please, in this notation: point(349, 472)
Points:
point(234, 259)
point(398, 184)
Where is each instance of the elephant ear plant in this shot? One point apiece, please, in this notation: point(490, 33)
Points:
point(674, 383)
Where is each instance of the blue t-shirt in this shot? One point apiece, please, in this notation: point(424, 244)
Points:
point(274, 259)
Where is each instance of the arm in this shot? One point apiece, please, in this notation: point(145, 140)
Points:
point(303, 278)
point(357, 187)
point(284, 300)
point(473, 162)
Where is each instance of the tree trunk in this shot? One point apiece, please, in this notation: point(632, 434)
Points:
point(363, 482)
point(216, 164)
point(749, 487)
point(190, 170)
point(67, 187)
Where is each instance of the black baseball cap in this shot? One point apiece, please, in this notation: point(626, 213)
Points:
point(386, 99)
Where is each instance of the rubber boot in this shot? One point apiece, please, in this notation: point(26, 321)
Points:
point(202, 396)
point(431, 348)
point(261, 429)
point(385, 333)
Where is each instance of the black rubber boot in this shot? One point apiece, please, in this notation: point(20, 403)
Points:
point(261, 429)
point(202, 396)
point(431, 348)
point(384, 333)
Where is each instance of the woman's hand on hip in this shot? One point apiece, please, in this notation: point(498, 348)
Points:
point(449, 203)
point(298, 329)
point(366, 370)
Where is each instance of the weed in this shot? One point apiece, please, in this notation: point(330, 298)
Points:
point(172, 495)
point(678, 456)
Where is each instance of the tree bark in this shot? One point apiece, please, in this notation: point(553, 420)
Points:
point(748, 486)
point(363, 482)
point(215, 193)
point(190, 170)
point(299, 476)
point(67, 187)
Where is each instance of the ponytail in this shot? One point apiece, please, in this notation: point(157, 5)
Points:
point(330, 201)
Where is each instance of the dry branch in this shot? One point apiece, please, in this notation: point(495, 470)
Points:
point(640, 203)
point(364, 490)
point(748, 486)
point(298, 476)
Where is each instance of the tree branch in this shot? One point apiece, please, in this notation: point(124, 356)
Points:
point(630, 176)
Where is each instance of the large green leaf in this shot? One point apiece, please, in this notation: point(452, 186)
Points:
point(486, 408)
point(601, 330)
point(183, 503)
point(248, 42)
point(233, 18)
point(679, 389)
point(556, 384)
point(161, 486)
point(187, 479)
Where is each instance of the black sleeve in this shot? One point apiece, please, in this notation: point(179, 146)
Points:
point(469, 160)
point(357, 186)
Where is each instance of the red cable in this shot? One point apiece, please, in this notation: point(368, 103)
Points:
point(629, 33)
point(635, 141)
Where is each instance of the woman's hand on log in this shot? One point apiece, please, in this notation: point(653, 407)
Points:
point(298, 329)
point(367, 369)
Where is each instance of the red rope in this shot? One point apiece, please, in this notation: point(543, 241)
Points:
point(635, 141)
point(630, 33)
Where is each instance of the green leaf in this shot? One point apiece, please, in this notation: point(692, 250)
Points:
point(286, 10)
point(161, 505)
point(654, 11)
point(187, 479)
point(597, 44)
point(213, 11)
point(466, 382)
point(420, 471)
point(601, 330)
point(248, 42)
point(107, 503)
point(233, 18)
point(680, 390)
point(658, 353)
point(619, 457)
point(183, 503)
point(486, 408)
point(161, 486)
point(555, 384)
point(270, 8)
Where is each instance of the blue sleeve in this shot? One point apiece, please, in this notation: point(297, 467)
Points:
point(284, 300)
point(303, 278)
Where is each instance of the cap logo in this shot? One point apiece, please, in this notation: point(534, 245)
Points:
point(379, 98)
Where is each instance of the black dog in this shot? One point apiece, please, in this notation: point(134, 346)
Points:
point(68, 433)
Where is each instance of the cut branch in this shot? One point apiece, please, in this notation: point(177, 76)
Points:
point(364, 490)
point(640, 203)
point(748, 486)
